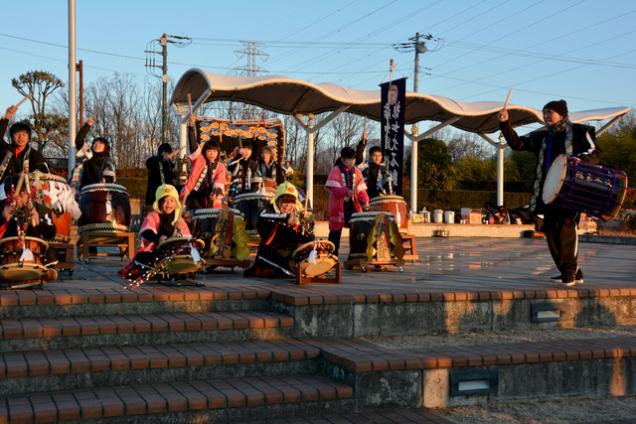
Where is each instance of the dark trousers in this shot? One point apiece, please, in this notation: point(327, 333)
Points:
point(560, 226)
point(334, 236)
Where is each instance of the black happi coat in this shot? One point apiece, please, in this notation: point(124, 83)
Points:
point(15, 163)
point(583, 146)
point(155, 164)
point(278, 242)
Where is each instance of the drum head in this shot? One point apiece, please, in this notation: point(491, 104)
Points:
point(324, 264)
point(183, 264)
point(554, 179)
point(24, 272)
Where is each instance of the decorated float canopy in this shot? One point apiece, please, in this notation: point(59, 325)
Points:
point(292, 96)
point(233, 134)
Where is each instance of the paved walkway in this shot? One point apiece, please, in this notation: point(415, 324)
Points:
point(447, 265)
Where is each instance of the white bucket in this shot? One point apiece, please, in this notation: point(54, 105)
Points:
point(449, 217)
point(438, 216)
point(426, 215)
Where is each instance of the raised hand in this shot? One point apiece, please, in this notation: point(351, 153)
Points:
point(503, 115)
point(10, 112)
point(90, 121)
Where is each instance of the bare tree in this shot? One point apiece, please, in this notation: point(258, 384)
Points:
point(38, 86)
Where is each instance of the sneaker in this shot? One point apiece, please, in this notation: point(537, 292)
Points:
point(568, 281)
point(578, 277)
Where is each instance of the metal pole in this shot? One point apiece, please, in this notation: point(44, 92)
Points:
point(416, 78)
point(80, 69)
point(164, 79)
point(500, 170)
point(310, 160)
point(72, 116)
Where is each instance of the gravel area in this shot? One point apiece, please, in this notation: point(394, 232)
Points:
point(574, 410)
point(472, 338)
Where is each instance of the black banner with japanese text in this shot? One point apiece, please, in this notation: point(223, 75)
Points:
point(393, 104)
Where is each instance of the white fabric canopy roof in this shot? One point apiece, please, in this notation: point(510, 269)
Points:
point(292, 96)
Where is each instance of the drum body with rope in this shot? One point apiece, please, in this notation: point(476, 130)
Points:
point(314, 264)
point(360, 226)
point(394, 205)
point(180, 255)
point(105, 207)
point(204, 222)
point(251, 205)
point(58, 188)
point(580, 186)
point(14, 267)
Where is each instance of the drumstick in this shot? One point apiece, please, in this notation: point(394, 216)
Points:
point(507, 102)
point(190, 103)
point(24, 99)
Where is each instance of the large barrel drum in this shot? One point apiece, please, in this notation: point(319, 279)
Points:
point(105, 207)
point(251, 205)
point(204, 223)
point(60, 193)
point(394, 205)
point(360, 226)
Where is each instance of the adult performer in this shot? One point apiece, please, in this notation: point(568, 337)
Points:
point(94, 163)
point(375, 173)
point(560, 136)
point(161, 170)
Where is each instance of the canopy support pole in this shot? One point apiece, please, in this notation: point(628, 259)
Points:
point(608, 125)
point(500, 146)
point(311, 128)
point(414, 141)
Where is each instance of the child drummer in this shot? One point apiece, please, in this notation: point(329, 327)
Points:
point(163, 222)
point(283, 227)
point(205, 186)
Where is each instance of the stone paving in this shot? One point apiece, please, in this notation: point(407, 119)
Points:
point(452, 264)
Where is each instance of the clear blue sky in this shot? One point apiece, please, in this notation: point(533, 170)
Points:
point(581, 50)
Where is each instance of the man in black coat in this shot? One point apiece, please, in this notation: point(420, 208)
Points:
point(161, 170)
point(18, 156)
point(375, 174)
point(559, 136)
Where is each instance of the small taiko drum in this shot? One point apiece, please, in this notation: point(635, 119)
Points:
point(360, 227)
point(204, 222)
point(394, 205)
point(251, 204)
point(314, 264)
point(105, 207)
point(16, 264)
point(181, 255)
point(580, 186)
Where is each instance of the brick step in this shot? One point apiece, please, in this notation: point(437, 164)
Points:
point(107, 330)
point(66, 369)
point(455, 375)
point(218, 400)
point(57, 302)
point(399, 416)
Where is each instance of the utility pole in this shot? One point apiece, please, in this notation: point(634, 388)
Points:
point(151, 52)
point(418, 45)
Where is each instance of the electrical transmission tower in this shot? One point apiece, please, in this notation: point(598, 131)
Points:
point(250, 52)
point(155, 48)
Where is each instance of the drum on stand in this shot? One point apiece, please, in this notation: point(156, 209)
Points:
point(394, 205)
point(314, 264)
point(360, 226)
point(204, 223)
point(105, 207)
point(580, 186)
point(13, 264)
point(62, 201)
point(251, 204)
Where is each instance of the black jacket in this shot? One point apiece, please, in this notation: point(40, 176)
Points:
point(583, 146)
point(243, 174)
point(15, 164)
point(376, 178)
point(100, 167)
point(155, 164)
